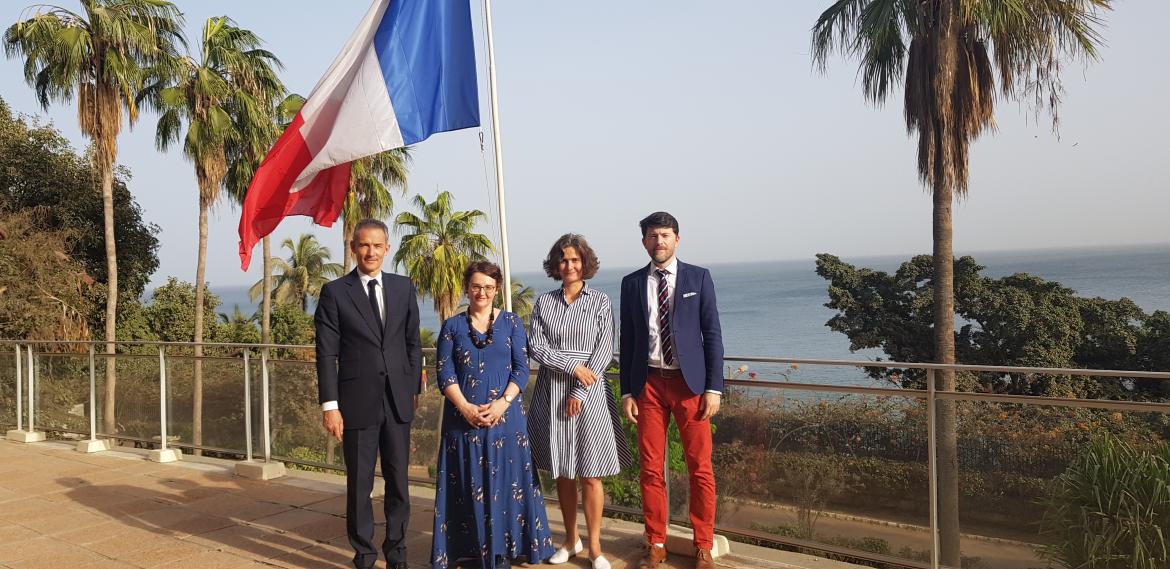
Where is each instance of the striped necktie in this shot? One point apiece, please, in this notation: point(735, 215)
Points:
point(664, 318)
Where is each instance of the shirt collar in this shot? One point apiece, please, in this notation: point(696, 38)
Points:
point(367, 278)
point(672, 268)
point(585, 290)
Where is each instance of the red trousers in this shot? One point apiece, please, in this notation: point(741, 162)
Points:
point(661, 398)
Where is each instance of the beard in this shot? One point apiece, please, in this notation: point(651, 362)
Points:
point(660, 256)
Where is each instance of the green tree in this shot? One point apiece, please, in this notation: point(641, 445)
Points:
point(237, 327)
point(171, 313)
point(371, 180)
point(292, 326)
point(437, 245)
point(98, 57)
point(1018, 320)
point(223, 95)
point(302, 275)
point(39, 169)
point(948, 55)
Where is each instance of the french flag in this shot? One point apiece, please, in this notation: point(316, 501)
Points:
point(405, 74)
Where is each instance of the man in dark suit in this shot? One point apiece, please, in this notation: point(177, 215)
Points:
point(368, 379)
point(671, 364)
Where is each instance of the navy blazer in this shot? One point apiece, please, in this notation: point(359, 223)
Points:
point(694, 326)
point(356, 362)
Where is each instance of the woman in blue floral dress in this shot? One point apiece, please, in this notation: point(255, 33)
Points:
point(488, 503)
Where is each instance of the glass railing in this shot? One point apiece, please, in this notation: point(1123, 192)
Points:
point(809, 455)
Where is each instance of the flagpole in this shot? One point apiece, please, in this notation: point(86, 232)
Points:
point(499, 154)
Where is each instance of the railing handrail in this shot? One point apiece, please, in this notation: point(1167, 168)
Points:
point(1083, 372)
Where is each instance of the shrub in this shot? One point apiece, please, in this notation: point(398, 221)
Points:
point(1110, 509)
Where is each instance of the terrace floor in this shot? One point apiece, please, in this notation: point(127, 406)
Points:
point(61, 508)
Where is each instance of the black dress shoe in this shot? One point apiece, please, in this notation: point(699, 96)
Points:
point(399, 565)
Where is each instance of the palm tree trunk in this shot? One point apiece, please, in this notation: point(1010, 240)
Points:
point(266, 303)
point(943, 182)
point(106, 165)
point(197, 384)
point(346, 236)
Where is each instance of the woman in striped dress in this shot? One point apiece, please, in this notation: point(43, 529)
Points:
point(573, 419)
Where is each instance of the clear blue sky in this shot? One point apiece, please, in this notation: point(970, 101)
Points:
point(611, 110)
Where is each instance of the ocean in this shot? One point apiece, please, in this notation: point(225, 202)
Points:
point(776, 308)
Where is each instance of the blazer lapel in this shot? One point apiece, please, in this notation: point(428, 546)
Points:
point(645, 302)
point(387, 313)
point(361, 301)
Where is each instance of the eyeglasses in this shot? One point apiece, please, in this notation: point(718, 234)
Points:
point(488, 289)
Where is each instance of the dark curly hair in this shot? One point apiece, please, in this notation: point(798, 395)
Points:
point(556, 254)
point(486, 267)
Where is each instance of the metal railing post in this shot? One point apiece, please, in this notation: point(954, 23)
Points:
point(92, 397)
point(247, 408)
point(265, 412)
point(19, 389)
point(31, 392)
point(162, 397)
point(932, 466)
point(163, 454)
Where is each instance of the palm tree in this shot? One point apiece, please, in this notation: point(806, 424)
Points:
point(224, 97)
point(99, 57)
point(302, 275)
point(243, 160)
point(522, 298)
point(948, 55)
point(436, 248)
point(370, 181)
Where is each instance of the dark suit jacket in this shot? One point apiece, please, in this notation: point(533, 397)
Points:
point(357, 363)
point(694, 325)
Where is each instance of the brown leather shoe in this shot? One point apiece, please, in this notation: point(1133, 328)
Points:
point(703, 559)
point(654, 556)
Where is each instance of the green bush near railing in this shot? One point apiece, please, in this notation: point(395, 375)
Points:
point(1110, 509)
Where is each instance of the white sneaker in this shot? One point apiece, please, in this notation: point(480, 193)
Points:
point(562, 555)
point(601, 562)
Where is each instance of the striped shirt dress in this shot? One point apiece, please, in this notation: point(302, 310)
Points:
point(592, 444)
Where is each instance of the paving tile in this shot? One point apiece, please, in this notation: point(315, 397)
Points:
point(334, 505)
point(251, 542)
point(64, 521)
point(236, 507)
point(61, 555)
point(286, 494)
point(10, 533)
point(210, 560)
point(163, 552)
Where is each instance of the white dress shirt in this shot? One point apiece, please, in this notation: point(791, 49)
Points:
point(331, 405)
point(655, 359)
point(652, 297)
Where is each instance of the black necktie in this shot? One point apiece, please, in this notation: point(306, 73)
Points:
point(373, 286)
point(664, 318)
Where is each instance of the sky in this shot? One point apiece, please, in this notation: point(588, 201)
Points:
point(713, 112)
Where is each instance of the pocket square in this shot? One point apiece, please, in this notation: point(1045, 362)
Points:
point(689, 294)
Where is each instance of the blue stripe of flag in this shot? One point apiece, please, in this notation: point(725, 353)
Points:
point(427, 55)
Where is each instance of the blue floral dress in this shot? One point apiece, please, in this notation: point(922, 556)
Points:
point(488, 503)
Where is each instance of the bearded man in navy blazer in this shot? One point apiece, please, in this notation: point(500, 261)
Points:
point(671, 365)
point(369, 366)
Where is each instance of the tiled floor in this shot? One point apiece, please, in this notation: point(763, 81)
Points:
point(60, 508)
